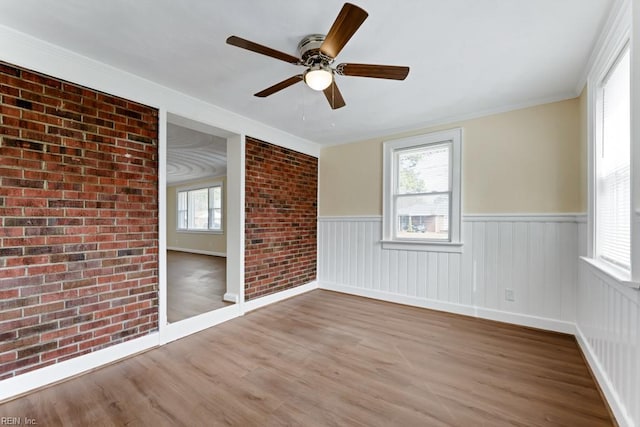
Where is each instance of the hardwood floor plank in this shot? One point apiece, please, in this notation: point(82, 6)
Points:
point(328, 359)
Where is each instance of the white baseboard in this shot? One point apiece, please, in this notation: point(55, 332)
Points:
point(279, 296)
point(527, 320)
point(29, 381)
point(602, 378)
point(196, 251)
point(467, 310)
point(191, 325)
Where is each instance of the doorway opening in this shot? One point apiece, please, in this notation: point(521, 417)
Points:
point(196, 220)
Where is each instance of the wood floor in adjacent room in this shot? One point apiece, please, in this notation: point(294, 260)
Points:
point(195, 284)
point(324, 358)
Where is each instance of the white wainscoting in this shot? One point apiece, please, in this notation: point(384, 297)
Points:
point(533, 255)
point(608, 330)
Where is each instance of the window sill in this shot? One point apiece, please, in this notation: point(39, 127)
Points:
point(201, 231)
point(619, 275)
point(410, 245)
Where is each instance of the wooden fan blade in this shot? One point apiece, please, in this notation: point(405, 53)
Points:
point(392, 72)
point(346, 24)
point(334, 96)
point(263, 50)
point(279, 86)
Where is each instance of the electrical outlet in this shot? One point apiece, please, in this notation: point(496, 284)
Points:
point(509, 295)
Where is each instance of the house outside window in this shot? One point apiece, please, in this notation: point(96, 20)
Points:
point(200, 209)
point(422, 192)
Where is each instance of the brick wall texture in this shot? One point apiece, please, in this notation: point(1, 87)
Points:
point(281, 218)
point(78, 217)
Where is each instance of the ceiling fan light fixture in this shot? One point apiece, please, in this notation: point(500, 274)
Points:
point(318, 77)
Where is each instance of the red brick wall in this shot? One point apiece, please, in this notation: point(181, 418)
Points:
point(78, 216)
point(281, 216)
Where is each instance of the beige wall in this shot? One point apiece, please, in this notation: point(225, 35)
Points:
point(522, 161)
point(207, 242)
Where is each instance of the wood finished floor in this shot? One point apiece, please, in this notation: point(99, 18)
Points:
point(195, 284)
point(324, 358)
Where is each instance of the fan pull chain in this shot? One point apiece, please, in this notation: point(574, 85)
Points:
point(304, 116)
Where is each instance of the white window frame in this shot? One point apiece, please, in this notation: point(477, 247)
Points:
point(200, 187)
point(609, 52)
point(389, 240)
point(598, 147)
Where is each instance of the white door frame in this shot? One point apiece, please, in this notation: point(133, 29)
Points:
point(234, 230)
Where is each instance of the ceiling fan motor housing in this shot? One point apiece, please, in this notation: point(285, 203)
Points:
point(309, 48)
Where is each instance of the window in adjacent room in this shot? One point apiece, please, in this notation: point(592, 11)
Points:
point(422, 192)
point(200, 209)
point(612, 156)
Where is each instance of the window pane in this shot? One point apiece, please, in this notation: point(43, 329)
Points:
point(424, 169)
point(199, 209)
point(182, 210)
point(216, 219)
point(215, 195)
point(613, 167)
point(215, 208)
point(424, 217)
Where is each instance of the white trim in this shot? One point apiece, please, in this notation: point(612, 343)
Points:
point(231, 297)
point(612, 397)
point(196, 251)
point(413, 245)
point(612, 278)
point(498, 217)
point(191, 325)
point(162, 220)
point(618, 14)
point(466, 310)
point(526, 217)
point(360, 218)
point(236, 151)
point(279, 296)
point(635, 144)
point(29, 381)
point(582, 218)
point(614, 272)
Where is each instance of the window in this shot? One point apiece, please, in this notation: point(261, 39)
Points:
point(422, 192)
point(200, 209)
point(612, 165)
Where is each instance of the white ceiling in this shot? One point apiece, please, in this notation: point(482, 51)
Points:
point(466, 56)
point(194, 155)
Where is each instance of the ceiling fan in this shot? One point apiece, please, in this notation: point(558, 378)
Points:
point(317, 54)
